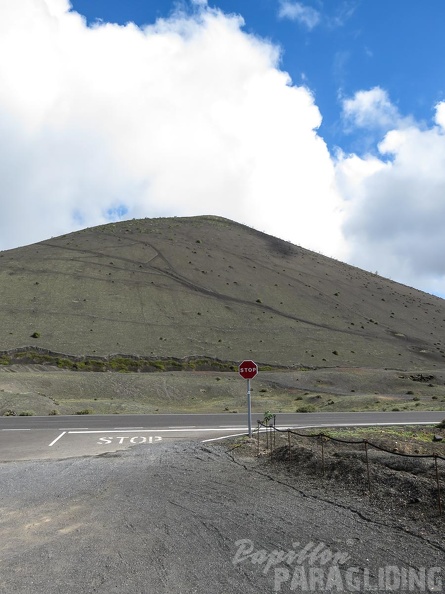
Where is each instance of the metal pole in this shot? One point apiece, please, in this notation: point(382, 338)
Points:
point(322, 451)
point(367, 467)
point(438, 486)
point(249, 409)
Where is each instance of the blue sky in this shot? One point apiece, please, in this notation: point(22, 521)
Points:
point(321, 122)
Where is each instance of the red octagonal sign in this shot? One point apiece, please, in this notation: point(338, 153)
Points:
point(248, 369)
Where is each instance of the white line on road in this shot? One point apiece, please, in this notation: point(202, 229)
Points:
point(129, 428)
point(182, 427)
point(224, 437)
point(57, 438)
point(159, 430)
point(15, 430)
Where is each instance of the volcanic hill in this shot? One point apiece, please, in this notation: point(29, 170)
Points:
point(212, 288)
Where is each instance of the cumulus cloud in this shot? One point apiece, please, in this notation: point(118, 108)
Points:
point(187, 116)
point(395, 201)
point(371, 109)
point(297, 11)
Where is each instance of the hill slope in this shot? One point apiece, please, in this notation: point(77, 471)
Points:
point(206, 286)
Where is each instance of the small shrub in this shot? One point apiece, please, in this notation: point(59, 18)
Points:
point(35, 335)
point(85, 411)
point(53, 412)
point(307, 408)
point(9, 413)
point(26, 413)
point(268, 416)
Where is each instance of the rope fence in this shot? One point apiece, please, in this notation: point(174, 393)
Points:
point(270, 432)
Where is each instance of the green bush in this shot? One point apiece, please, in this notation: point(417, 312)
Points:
point(307, 408)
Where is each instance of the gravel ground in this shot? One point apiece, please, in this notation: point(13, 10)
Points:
point(170, 518)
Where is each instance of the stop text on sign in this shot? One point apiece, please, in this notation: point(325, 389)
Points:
point(248, 369)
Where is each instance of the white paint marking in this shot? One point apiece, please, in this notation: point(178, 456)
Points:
point(15, 429)
point(57, 439)
point(224, 437)
point(160, 430)
point(182, 427)
point(128, 428)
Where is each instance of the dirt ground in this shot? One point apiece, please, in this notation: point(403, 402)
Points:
point(190, 518)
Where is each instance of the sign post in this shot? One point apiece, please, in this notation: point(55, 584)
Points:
point(248, 370)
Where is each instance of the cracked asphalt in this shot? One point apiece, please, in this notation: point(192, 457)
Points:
point(187, 518)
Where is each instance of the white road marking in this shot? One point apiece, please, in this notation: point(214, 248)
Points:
point(224, 437)
point(15, 429)
point(133, 440)
point(182, 427)
point(57, 439)
point(157, 430)
point(129, 428)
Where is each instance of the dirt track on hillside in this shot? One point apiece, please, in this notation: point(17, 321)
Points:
point(169, 519)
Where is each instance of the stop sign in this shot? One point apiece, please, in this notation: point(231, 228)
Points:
point(248, 369)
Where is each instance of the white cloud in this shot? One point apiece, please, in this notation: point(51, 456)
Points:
point(371, 109)
point(395, 209)
point(188, 116)
point(440, 115)
point(297, 11)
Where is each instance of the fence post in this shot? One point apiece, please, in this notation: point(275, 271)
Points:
point(258, 440)
point(367, 466)
point(274, 432)
point(271, 439)
point(438, 486)
point(288, 443)
point(322, 451)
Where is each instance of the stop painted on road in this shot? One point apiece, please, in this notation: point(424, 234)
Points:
point(136, 439)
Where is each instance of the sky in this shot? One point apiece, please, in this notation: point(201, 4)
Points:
point(321, 122)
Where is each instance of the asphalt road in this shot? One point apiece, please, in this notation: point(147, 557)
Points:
point(27, 438)
point(163, 421)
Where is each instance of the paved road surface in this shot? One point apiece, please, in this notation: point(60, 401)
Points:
point(26, 438)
